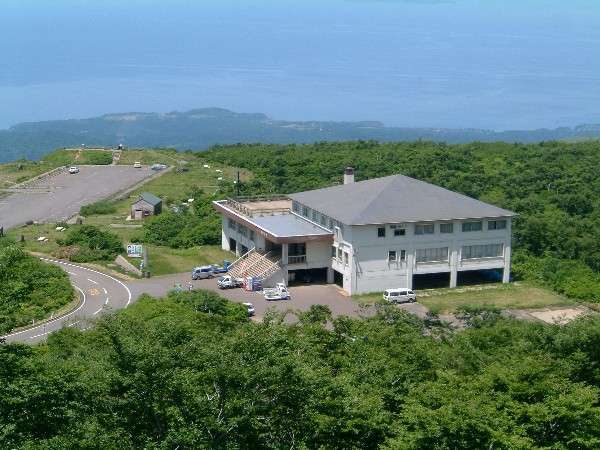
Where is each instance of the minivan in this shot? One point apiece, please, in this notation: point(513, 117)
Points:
point(200, 273)
point(400, 295)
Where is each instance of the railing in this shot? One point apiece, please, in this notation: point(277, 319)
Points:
point(237, 203)
point(296, 259)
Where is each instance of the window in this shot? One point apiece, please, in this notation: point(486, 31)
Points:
point(482, 251)
point(497, 224)
point(315, 216)
point(471, 226)
point(392, 256)
point(252, 235)
point(295, 207)
point(402, 255)
point(339, 255)
point(345, 258)
point(232, 224)
point(400, 232)
point(381, 232)
point(432, 254)
point(242, 229)
point(323, 219)
point(333, 251)
point(424, 228)
point(305, 211)
point(446, 228)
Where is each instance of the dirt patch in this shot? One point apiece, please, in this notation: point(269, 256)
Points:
point(559, 316)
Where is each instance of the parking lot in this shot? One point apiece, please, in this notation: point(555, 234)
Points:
point(302, 296)
point(59, 197)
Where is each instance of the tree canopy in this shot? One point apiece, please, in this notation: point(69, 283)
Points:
point(190, 371)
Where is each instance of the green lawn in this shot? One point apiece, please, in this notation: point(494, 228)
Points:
point(504, 296)
point(164, 260)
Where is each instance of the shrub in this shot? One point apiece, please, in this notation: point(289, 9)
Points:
point(29, 288)
point(89, 243)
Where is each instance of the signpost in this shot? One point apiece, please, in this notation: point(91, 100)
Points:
point(135, 250)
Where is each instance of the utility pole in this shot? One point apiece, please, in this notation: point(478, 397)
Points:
point(237, 184)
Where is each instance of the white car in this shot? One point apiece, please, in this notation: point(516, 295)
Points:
point(250, 308)
point(137, 165)
point(73, 169)
point(279, 292)
point(400, 295)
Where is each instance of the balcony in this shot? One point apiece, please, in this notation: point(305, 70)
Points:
point(296, 259)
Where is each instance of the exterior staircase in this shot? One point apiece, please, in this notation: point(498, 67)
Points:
point(255, 264)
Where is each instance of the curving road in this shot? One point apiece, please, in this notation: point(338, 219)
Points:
point(98, 293)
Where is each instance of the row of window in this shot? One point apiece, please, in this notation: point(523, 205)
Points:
point(429, 228)
point(315, 216)
point(441, 253)
point(241, 229)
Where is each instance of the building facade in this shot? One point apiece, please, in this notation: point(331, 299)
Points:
point(371, 235)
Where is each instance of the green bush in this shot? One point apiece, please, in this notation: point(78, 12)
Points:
point(99, 207)
point(92, 244)
point(29, 288)
point(98, 157)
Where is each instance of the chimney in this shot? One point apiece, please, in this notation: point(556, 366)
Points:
point(349, 175)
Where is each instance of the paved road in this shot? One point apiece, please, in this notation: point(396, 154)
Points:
point(99, 293)
point(102, 293)
point(61, 196)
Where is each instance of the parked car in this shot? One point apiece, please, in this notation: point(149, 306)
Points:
point(137, 165)
point(73, 169)
point(250, 308)
point(200, 273)
point(229, 282)
point(158, 166)
point(279, 292)
point(399, 295)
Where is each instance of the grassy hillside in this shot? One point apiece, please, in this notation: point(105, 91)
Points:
point(553, 186)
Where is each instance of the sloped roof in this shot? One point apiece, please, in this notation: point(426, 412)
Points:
point(150, 198)
point(395, 199)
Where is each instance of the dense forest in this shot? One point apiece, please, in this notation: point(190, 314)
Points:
point(190, 371)
point(553, 186)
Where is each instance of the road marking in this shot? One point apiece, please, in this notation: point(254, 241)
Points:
point(74, 323)
point(106, 301)
point(94, 291)
point(100, 310)
point(93, 271)
point(51, 321)
point(105, 291)
point(95, 282)
point(72, 273)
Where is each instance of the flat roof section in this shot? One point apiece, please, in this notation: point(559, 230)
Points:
point(289, 225)
point(280, 227)
point(267, 205)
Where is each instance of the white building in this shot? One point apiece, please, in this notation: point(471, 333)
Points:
point(367, 236)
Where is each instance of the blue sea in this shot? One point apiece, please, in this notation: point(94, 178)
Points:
point(465, 63)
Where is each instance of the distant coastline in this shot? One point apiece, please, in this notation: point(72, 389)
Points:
point(199, 129)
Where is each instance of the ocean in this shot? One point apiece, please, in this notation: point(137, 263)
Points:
point(454, 64)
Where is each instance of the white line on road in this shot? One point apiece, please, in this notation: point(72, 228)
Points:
point(93, 271)
point(105, 291)
point(72, 273)
point(74, 323)
point(100, 310)
point(106, 301)
point(95, 282)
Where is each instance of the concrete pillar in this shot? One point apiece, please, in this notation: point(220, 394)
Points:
point(284, 254)
point(225, 240)
point(453, 267)
point(330, 276)
point(506, 270)
point(410, 264)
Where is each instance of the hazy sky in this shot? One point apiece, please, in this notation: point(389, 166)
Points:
point(488, 64)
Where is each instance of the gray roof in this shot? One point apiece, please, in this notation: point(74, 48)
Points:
point(395, 199)
point(150, 198)
point(288, 225)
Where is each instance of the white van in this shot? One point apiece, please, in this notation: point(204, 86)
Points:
point(400, 295)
